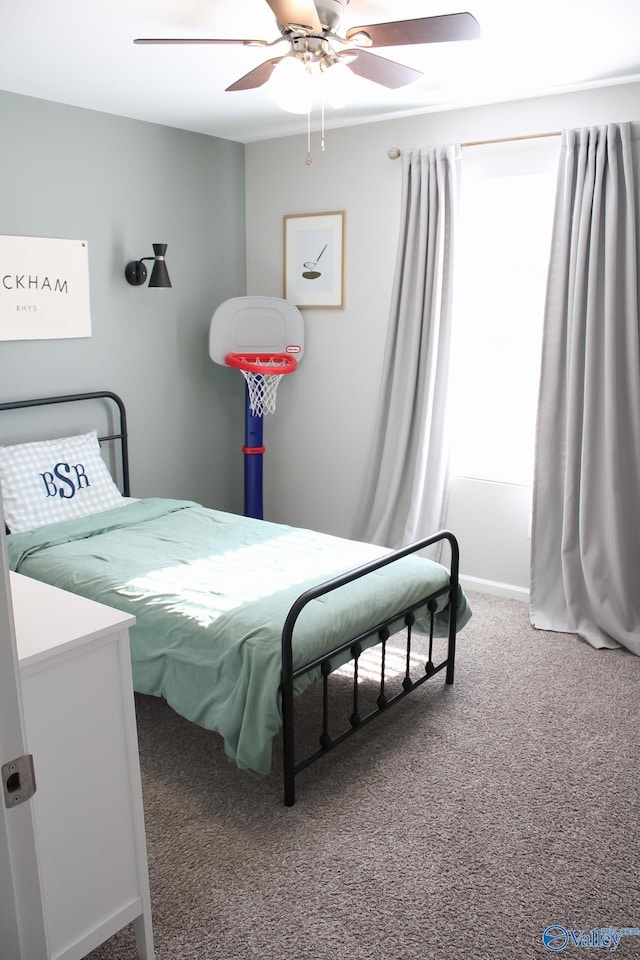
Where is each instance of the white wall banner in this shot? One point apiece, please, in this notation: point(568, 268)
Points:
point(44, 288)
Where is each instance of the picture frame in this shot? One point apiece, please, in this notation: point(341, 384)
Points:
point(314, 259)
point(44, 288)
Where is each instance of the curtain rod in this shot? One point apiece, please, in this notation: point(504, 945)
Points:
point(396, 152)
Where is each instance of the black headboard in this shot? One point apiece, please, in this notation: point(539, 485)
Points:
point(119, 436)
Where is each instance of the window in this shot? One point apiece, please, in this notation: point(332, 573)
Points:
point(508, 194)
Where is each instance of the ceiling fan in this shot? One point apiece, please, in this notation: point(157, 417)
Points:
point(310, 28)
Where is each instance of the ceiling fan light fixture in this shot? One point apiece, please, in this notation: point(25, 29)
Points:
point(336, 80)
point(290, 84)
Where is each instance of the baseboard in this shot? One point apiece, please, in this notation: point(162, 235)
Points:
point(495, 588)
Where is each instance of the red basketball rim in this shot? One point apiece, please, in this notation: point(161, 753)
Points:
point(264, 363)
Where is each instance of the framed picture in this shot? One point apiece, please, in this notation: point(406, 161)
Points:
point(44, 288)
point(314, 259)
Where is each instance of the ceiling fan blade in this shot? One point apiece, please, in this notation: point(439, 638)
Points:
point(299, 12)
point(256, 77)
point(386, 72)
point(245, 43)
point(448, 27)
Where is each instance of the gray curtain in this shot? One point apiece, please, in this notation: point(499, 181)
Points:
point(585, 571)
point(409, 470)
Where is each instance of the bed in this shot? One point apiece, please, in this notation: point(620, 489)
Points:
point(235, 617)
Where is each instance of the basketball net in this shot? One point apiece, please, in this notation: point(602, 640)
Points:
point(262, 374)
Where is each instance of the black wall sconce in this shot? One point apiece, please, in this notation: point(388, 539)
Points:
point(136, 272)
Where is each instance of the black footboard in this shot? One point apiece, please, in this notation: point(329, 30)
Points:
point(353, 648)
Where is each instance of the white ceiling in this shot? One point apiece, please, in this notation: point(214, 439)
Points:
point(81, 52)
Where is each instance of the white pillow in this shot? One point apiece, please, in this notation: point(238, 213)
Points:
point(51, 480)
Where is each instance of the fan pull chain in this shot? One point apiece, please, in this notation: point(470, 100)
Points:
point(309, 159)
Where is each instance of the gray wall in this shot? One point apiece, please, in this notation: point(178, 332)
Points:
point(122, 185)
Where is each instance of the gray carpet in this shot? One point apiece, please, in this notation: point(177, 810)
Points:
point(460, 826)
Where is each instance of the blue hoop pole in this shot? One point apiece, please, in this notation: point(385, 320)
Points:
point(253, 450)
point(265, 365)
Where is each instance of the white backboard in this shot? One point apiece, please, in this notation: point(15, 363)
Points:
point(256, 325)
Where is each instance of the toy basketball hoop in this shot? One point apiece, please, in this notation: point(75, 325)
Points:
point(262, 373)
point(263, 337)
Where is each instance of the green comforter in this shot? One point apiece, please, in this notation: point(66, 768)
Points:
point(210, 592)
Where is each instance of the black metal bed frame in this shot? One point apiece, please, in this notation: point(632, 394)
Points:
point(355, 647)
point(120, 435)
point(378, 635)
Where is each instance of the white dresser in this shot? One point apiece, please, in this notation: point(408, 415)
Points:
point(80, 727)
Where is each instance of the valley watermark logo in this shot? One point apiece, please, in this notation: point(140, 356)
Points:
point(556, 937)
